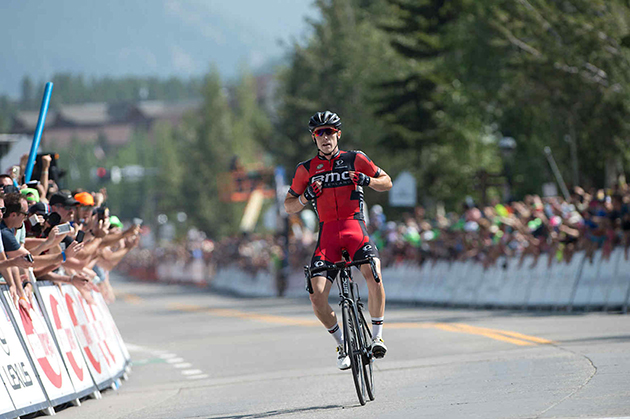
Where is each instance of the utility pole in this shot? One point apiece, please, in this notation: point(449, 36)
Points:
point(557, 174)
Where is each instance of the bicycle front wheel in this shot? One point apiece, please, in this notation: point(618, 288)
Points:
point(353, 349)
point(368, 358)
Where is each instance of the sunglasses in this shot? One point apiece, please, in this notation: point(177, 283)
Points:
point(3, 209)
point(325, 131)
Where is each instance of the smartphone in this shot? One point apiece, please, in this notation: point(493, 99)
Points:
point(80, 236)
point(33, 219)
point(29, 257)
point(137, 221)
point(100, 212)
point(33, 184)
point(65, 228)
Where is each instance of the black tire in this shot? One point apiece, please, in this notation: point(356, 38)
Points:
point(368, 360)
point(352, 347)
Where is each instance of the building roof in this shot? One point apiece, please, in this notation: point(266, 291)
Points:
point(27, 120)
point(84, 114)
point(157, 109)
point(101, 113)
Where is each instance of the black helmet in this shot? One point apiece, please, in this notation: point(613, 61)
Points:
point(324, 119)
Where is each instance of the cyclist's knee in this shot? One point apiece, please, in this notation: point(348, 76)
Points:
point(369, 277)
point(318, 299)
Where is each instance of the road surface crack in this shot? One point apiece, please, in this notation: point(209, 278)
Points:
point(579, 388)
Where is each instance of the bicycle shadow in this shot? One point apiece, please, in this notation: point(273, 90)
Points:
point(279, 412)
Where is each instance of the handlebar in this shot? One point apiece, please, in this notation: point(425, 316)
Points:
point(337, 266)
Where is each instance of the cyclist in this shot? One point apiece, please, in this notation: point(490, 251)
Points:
point(333, 182)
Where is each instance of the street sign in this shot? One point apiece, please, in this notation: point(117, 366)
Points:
point(403, 193)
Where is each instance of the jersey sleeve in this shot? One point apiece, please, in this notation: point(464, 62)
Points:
point(9, 241)
point(363, 164)
point(300, 181)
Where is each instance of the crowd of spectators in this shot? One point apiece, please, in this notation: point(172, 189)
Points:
point(552, 228)
point(54, 234)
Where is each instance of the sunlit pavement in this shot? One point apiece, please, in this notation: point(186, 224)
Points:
point(202, 355)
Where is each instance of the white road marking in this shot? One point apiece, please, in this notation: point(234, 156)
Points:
point(136, 348)
point(191, 372)
point(198, 377)
point(175, 360)
point(167, 356)
point(183, 365)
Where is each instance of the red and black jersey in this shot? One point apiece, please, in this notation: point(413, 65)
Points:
point(341, 198)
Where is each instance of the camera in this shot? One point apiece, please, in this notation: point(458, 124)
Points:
point(54, 172)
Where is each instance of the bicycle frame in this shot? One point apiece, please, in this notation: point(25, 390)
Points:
point(349, 294)
point(356, 332)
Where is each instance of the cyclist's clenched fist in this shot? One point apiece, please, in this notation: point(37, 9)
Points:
point(359, 178)
point(313, 190)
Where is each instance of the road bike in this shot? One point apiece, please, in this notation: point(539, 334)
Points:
point(357, 334)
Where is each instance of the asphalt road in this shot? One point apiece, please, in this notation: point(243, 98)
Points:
point(202, 355)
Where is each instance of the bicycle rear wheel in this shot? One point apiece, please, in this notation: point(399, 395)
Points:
point(368, 358)
point(353, 349)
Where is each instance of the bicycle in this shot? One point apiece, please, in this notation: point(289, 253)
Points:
point(357, 334)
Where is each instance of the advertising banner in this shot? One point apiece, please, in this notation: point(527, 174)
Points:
point(111, 324)
point(96, 358)
point(43, 351)
point(19, 377)
point(107, 339)
point(67, 339)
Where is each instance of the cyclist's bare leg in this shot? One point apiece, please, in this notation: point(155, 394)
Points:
point(319, 300)
point(376, 306)
point(376, 292)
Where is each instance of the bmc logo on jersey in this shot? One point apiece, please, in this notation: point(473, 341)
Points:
point(333, 179)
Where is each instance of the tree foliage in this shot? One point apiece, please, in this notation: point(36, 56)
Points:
point(431, 86)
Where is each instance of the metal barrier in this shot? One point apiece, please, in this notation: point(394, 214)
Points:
point(60, 350)
point(597, 284)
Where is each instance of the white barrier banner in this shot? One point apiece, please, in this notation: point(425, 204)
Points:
point(111, 325)
point(16, 370)
point(66, 337)
point(6, 404)
point(108, 340)
point(42, 349)
point(95, 358)
point(616, 295)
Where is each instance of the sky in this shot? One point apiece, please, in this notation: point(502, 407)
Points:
point(144, 37)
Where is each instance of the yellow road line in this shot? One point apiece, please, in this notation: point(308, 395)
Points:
point(514, 338)
point(222, 312)
point(129, 298)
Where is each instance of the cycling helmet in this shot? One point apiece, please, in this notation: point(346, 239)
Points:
point(324, 119)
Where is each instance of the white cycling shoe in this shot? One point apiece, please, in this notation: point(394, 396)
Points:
point(378, 348)
point(343, 360)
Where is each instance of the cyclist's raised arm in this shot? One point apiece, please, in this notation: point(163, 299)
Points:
point(370, 174)
point(300, 192)
point(382, 182)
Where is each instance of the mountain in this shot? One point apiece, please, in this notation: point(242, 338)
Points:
point(149, 37)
